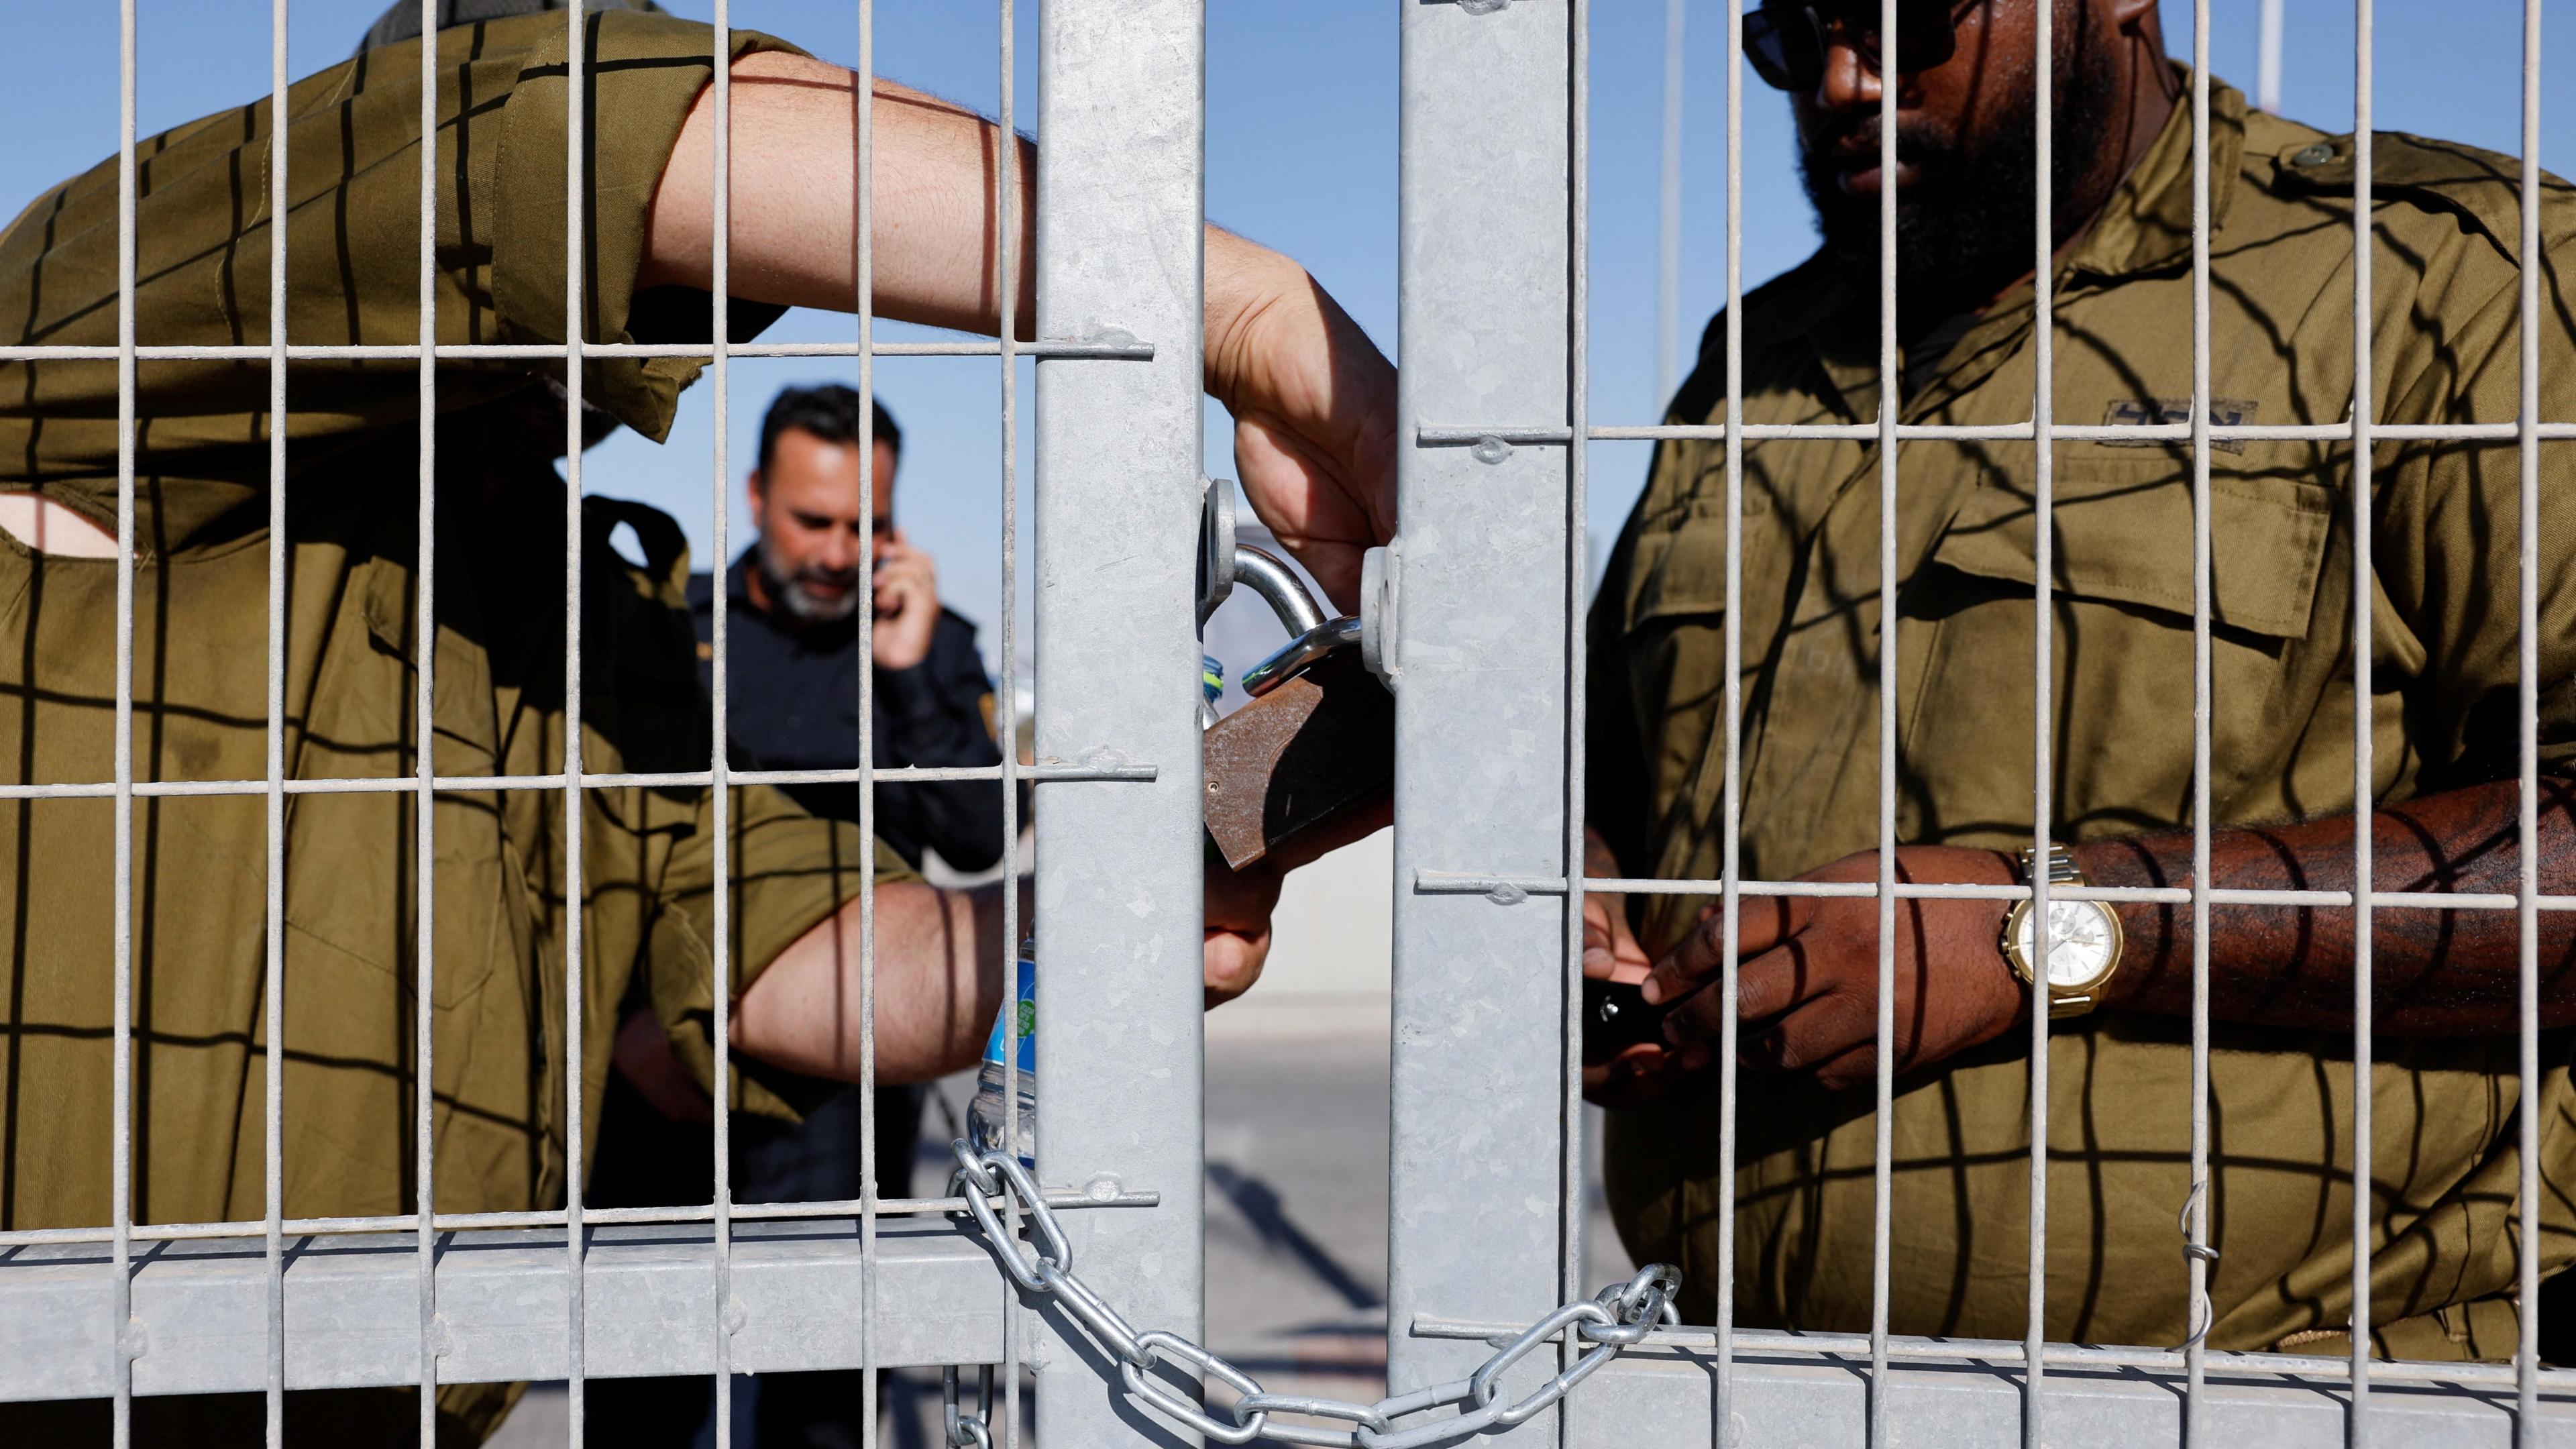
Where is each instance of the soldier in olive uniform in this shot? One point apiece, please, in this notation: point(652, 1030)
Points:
point(500, 919)
point(2437, 577)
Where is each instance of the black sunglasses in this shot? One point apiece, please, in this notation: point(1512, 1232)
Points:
point(1786, 42)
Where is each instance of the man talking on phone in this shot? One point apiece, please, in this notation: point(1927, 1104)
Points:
point(792, 701)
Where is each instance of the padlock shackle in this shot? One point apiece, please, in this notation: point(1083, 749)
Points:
point(1269, 576)
point(1300, 654)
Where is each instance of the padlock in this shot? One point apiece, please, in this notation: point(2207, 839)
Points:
point(1318, 735)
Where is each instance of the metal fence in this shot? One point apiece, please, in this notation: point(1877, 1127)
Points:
point(1495, 147)
point(1482, 597)
point(427, 1297)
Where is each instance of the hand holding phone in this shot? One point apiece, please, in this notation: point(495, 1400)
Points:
point(1615, 1018)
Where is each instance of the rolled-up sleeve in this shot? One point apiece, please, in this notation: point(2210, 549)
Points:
point(789, 871)
point(203, 236)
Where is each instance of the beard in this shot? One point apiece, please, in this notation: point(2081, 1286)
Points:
point(1963, 222)
point(800, 590)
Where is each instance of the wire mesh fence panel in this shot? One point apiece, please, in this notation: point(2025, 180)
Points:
point(1476, 615)
point(1877, 1379)
point(434, 1296)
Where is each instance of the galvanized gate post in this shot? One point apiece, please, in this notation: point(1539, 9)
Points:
point(1476, 1227)
point(1120, 106)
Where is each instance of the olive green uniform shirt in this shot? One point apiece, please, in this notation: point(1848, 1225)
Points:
point(500, 914)
point(2442, 600)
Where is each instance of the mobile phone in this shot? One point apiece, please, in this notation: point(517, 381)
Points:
point(1616, 1016)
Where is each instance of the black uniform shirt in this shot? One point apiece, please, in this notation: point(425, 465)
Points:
point(793, 704)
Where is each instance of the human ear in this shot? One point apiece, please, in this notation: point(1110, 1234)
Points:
point(2128, 15)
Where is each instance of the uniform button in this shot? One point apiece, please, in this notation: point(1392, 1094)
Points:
point(2316, 155)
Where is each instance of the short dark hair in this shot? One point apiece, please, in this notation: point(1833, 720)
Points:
point(829, 412)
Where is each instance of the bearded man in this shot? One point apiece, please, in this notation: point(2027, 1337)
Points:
point(2436, 573)
point(795, 642)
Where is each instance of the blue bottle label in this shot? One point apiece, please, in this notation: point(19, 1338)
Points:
point(1021, 1021)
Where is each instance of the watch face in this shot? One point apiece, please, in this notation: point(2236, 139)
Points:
point(2079, 941)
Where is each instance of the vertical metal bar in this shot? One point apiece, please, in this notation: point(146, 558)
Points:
point(425, 753)
point(720, 376)
point(2043, 415)
point(272, 994)
point(120, 1166)
point(2527, 642)
point(1578, 558)
point(1120, 242)
point(863, 306)
point(2363, 878)
point(1006, 294)
point(1120, 182)
point(2267, 87)
point(576, 972)
point(1731, 800)
point(1485, 152)
point(1668, 243)
point(1890, 407)
point(2196, 1230)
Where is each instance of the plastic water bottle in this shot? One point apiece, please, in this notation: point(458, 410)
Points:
point(985, 1120)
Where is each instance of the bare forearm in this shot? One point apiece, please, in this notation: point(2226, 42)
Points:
point(939, 982)
point(936, 225)
point(935, 228)
point(2436, 973)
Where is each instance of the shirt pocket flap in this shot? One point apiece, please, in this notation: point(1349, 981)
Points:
point(2123, 534)
point(1679, 567)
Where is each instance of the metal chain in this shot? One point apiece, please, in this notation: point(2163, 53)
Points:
point(1622, 1314)
point(968, 1431)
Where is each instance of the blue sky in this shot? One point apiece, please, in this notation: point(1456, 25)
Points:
point(1301, 154)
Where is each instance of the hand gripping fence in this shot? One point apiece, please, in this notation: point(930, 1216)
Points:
point(1620, 1315)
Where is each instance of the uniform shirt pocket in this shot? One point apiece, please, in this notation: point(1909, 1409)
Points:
point(1672, 652)
point(1679, 568)
point(2123, 534)
point(2121, 612)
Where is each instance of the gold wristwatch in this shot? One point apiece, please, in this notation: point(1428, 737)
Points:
point(2084, 942)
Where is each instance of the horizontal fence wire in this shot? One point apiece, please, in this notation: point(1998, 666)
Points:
point(544, 1218)
point(2000, 1352)
point(1442, 883)
point(655, 780)
point(554, 351)
point(1536, 437)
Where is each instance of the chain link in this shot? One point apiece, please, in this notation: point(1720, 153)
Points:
point(1621, 1315)
point(968, 1431)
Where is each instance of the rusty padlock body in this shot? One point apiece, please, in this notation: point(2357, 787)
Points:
point(1317, 736)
